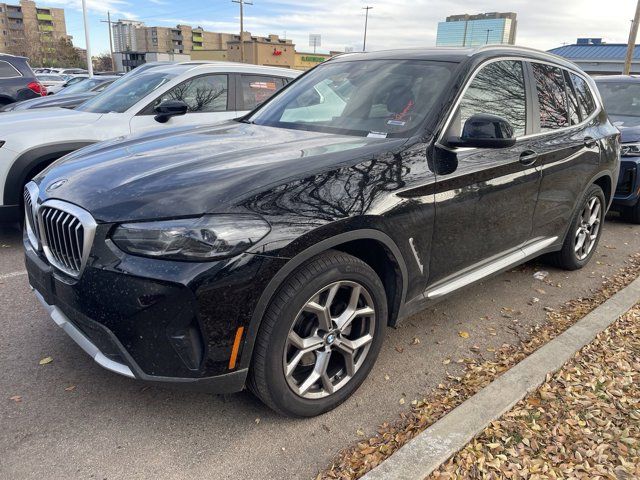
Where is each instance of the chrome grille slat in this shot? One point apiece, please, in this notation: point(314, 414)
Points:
point(32, 227)
point(67, 235)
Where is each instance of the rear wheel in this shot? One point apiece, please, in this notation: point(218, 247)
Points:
point(320, 336)
point(584, 234)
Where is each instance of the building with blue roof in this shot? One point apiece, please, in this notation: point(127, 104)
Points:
point(599, 58)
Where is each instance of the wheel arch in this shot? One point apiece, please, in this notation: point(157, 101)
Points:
point(29, 163)
point(394, 278)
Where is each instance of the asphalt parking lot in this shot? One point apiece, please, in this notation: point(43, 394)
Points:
point(72, 419)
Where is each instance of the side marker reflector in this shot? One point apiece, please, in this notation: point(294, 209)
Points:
point(236, 347)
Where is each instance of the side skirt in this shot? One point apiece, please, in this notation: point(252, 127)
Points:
point(500, 264)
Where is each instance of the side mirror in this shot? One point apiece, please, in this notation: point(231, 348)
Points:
point(170, 108)
point(485, 131)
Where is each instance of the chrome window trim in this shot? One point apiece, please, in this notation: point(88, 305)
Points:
point(442, 143)
point(89, 225)
point(19, 75)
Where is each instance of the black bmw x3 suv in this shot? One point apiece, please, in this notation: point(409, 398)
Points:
point(273, 250)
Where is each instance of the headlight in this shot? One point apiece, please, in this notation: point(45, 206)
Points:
point(211, 237)
point(630, 150)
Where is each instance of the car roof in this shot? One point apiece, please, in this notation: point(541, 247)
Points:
point(232, 67)
point(617, 78)
point(458, 54)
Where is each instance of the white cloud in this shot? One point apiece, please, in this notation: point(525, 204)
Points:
point(405, 23)
point(120, 7)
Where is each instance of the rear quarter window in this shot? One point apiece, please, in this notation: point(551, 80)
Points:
point(8, 71)
point(586, 102)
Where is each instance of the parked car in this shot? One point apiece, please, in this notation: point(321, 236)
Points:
point(68, 97)
point(17, 80)
point(621, 96)
point(52, 81)
point(150, 99)
point(272, 251)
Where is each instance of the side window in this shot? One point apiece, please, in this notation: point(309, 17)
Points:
point(208, 93)
point(552, 97)
point(8, 71)
point(586, 103)
point(257, 88)
point(574, 108)
point(498, 89)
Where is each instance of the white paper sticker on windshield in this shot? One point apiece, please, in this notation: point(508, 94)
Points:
point(377, 135)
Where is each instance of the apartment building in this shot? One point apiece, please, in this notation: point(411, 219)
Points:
point(26, 28)
point(125, 38)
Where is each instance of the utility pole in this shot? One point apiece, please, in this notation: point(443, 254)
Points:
point(366, 24)
point(631, 46)
point(242, 4)
point(86, 37)
point(113, 61)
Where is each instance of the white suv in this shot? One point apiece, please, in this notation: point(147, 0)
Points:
point(184, 94)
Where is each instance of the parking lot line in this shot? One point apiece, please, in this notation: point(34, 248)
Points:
point(13, 274)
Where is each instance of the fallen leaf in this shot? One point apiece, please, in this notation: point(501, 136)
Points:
point(70, 388)
point(464, 334)
point(257, 420)
point(360, 432)
point(401, 401)
point(45, 361)
point(16, 398)
point(447, 361)
point(399, 349)
point(415, 341)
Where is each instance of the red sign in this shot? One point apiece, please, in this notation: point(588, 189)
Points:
point(276, 52)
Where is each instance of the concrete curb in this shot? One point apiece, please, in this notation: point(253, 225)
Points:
point(426, 452)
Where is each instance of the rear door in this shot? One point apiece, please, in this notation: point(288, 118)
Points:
point(209, 97)
point(254, 90)
point(566, 143)
point(485, 208)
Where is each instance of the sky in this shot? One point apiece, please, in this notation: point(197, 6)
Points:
point(542, 24)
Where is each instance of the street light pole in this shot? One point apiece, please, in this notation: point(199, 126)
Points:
point(86, 37)
point(631, 45)
point(487, 41)
point(366, 23)
point(242, 4)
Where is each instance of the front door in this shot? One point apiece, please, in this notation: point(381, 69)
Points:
point(485, 208)
point(207, 97)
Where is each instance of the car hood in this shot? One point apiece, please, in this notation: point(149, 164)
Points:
point(629, 127)
point(31, 122)
point(53, 101)
point(192, 171)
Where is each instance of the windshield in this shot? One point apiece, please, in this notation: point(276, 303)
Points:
point(126, 92)
point(621, 99)
point(376, 98)
point(83, 86)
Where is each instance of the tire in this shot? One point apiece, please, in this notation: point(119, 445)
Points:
point(632, 214)
point(571, 257)
point(294, 316)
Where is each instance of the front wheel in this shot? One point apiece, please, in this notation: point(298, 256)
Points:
point(320, 336)
point(584, 233)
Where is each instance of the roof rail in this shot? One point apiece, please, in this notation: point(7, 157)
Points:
point(522, 49)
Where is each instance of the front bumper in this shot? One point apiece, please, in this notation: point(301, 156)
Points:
point(628, 188)
point(139, 323)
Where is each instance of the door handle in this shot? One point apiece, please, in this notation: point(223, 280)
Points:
point(590, 142)
point(528, 157)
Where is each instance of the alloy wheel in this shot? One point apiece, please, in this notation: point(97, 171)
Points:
point(588, 228)
point(329, 340)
